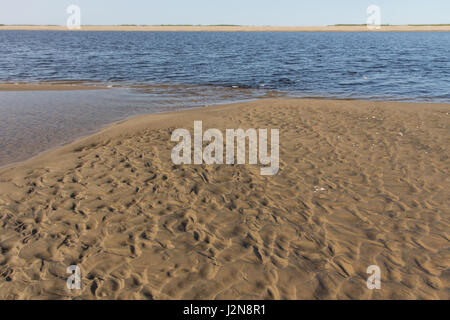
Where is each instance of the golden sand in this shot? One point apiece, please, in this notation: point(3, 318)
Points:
point(360, 184)
point(344, 28)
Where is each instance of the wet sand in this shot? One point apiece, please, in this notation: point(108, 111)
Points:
point(237, 28)
point(360, 184)
point(67, 86)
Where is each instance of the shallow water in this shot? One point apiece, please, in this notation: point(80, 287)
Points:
point(163, 71)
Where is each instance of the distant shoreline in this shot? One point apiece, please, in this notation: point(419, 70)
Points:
point(230, 28)
point(64, 86)
point(359, 183)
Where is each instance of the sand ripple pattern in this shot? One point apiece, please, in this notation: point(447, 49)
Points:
point(360, 183)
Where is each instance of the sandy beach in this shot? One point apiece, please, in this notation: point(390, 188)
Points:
point(360, 183)
point(220, 28)
point(67, 86)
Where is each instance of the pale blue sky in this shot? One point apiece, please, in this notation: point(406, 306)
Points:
point(243, 12)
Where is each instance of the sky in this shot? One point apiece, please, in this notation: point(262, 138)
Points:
point(238, 12)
